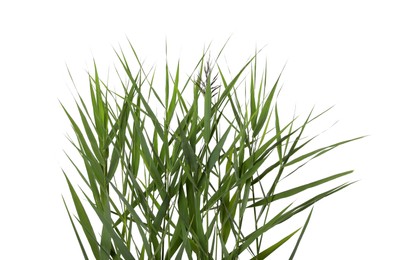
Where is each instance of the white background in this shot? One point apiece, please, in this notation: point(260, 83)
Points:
point(342, 53)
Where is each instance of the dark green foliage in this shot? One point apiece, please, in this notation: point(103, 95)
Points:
point(185, 181)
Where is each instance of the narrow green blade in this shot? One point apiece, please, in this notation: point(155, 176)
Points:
point(301, 235)
point(84, 220)
point(264, 254)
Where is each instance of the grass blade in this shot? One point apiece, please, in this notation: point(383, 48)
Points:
point(301, 235)
point(84, 220)
point(76, 233)
point(264, 254)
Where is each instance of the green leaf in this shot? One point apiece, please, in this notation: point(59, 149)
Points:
point(320, 151)
point(265, 109)
point(84, 220)
point(301, 235)
point(257, 233)
point(90, 135)
point(108, 226)
point(76, 233)
point(215, 154)
point(189, 153)
point(264, 254)
point(253, 105)
point(294, 191)
point(207, 112)
point(173, 101)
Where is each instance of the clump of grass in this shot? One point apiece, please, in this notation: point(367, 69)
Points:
point(199, 180)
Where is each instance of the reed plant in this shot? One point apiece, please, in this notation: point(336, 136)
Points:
point(189, 168)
